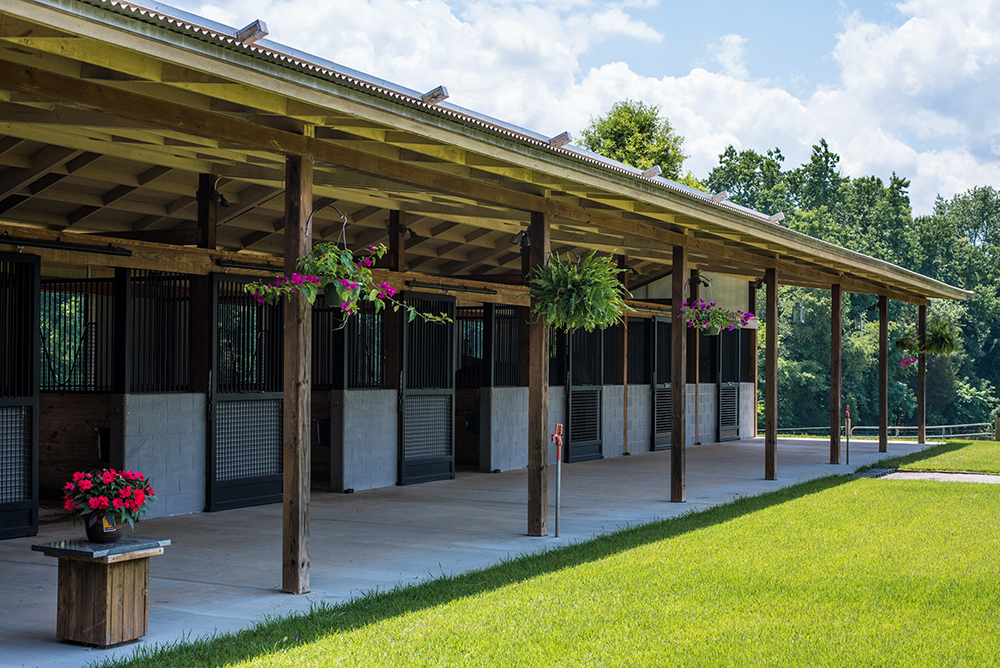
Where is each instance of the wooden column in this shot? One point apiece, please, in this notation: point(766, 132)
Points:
point(694, 352)
point(883, 373)
point(538, 394)
point(771, 377)
point(922, 375)
point(297, 384)
point(836, 353)
point(752, 308)
point(678, 378)
point(397, 240)
point(208, 210)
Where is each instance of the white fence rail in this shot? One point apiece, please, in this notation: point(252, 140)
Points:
point(942, 430)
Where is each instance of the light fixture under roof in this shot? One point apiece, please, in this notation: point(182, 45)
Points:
point(720, 197)
point(252, 33)
point(561, 140)
point(652, 172)
point(432, 97)
point(776, 218)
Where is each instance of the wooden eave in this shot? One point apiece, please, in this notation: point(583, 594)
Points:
point(107, 120)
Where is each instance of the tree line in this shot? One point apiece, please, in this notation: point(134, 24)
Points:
point(958, 243)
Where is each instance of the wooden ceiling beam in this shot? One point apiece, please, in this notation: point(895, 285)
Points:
point(43, 161)
point(116, 194)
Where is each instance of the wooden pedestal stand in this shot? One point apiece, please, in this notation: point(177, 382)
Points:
point(103, 589)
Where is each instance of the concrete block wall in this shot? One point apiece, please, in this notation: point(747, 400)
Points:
point(503, 428)
point(612, 420)
point(640, 418)
point(708, 414)
point(364, 450)
point(748, 410)
point(557, 414)
point(163, 435)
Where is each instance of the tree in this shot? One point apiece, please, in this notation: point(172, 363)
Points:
point(634, 133)
point(752, 180)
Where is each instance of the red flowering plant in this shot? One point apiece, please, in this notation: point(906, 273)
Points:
point(121, 496)
point(345, 278)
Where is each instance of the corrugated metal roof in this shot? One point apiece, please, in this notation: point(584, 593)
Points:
point(219, 34)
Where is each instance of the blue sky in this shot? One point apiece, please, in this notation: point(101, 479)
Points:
point(911, 87)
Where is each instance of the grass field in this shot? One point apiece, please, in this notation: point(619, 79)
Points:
point(973, 456)
point(832, 572)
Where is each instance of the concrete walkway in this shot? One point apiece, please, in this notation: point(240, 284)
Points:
point(223, 570)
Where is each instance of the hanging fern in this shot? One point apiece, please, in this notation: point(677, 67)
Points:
point(942, 337)
point(588, 296)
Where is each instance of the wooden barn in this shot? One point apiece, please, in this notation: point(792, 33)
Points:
point(152, 162)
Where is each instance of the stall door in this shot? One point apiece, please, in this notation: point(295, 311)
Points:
point(584, 398)
point(19, 323)
point(427, 393)
point(662, 400)
point(729, 386)
point(246, 400)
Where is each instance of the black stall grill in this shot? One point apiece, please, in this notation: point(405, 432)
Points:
point(77, 335)
point(246, 403)
point(662, 398)
point(730, 371)
point(585, 361)
point(19, 382)
point(161, 332)
point(427, 393)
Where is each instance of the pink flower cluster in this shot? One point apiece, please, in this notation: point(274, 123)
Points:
point(701, 315)
point(293, 284)
point(122, 493)
point(386, 290)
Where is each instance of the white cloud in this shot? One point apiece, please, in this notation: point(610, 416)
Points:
point(730, 53)
point(918, 97)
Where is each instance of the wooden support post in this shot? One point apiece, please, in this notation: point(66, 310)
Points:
point(202, 322)
point(922, 375)
point(678, 379)
point(752, 308)
point(397, 240)
point(694, 353)
point(208, 210)
point(297, 384)
point(538, 394)
point(836, 352)
point(883, 373)
point(771, 378)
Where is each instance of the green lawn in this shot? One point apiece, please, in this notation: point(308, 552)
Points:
point(975, 456)
point(834, 572)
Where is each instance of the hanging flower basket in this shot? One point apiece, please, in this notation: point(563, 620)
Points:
point(345, 279)
point(710, 320)
point(942, 338)
point(579, 295)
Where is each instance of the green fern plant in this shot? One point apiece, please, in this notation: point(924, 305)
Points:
point(585, 295)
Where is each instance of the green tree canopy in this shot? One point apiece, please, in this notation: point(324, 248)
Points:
point(634, 133)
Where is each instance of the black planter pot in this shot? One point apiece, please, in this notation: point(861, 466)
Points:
point(97, 532)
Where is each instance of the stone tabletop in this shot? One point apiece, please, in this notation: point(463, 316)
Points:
point(84, 548)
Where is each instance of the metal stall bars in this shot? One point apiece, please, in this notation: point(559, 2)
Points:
point(77, 335)
point(662, 401)
point(731, 355)
point(161, 332)
point(19, 382)
point(427, 393)
point(245, 403)
point(585, 362)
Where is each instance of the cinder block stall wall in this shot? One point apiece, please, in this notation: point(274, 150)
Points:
point(612, 420)
point(363, 439)
point(708, 414)
point(748, 410)
point(67, 437)
point(163, 435)
point(503, 428)
point(557, 414)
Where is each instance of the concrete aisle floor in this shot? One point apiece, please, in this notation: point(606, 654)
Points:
point(223, 570)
